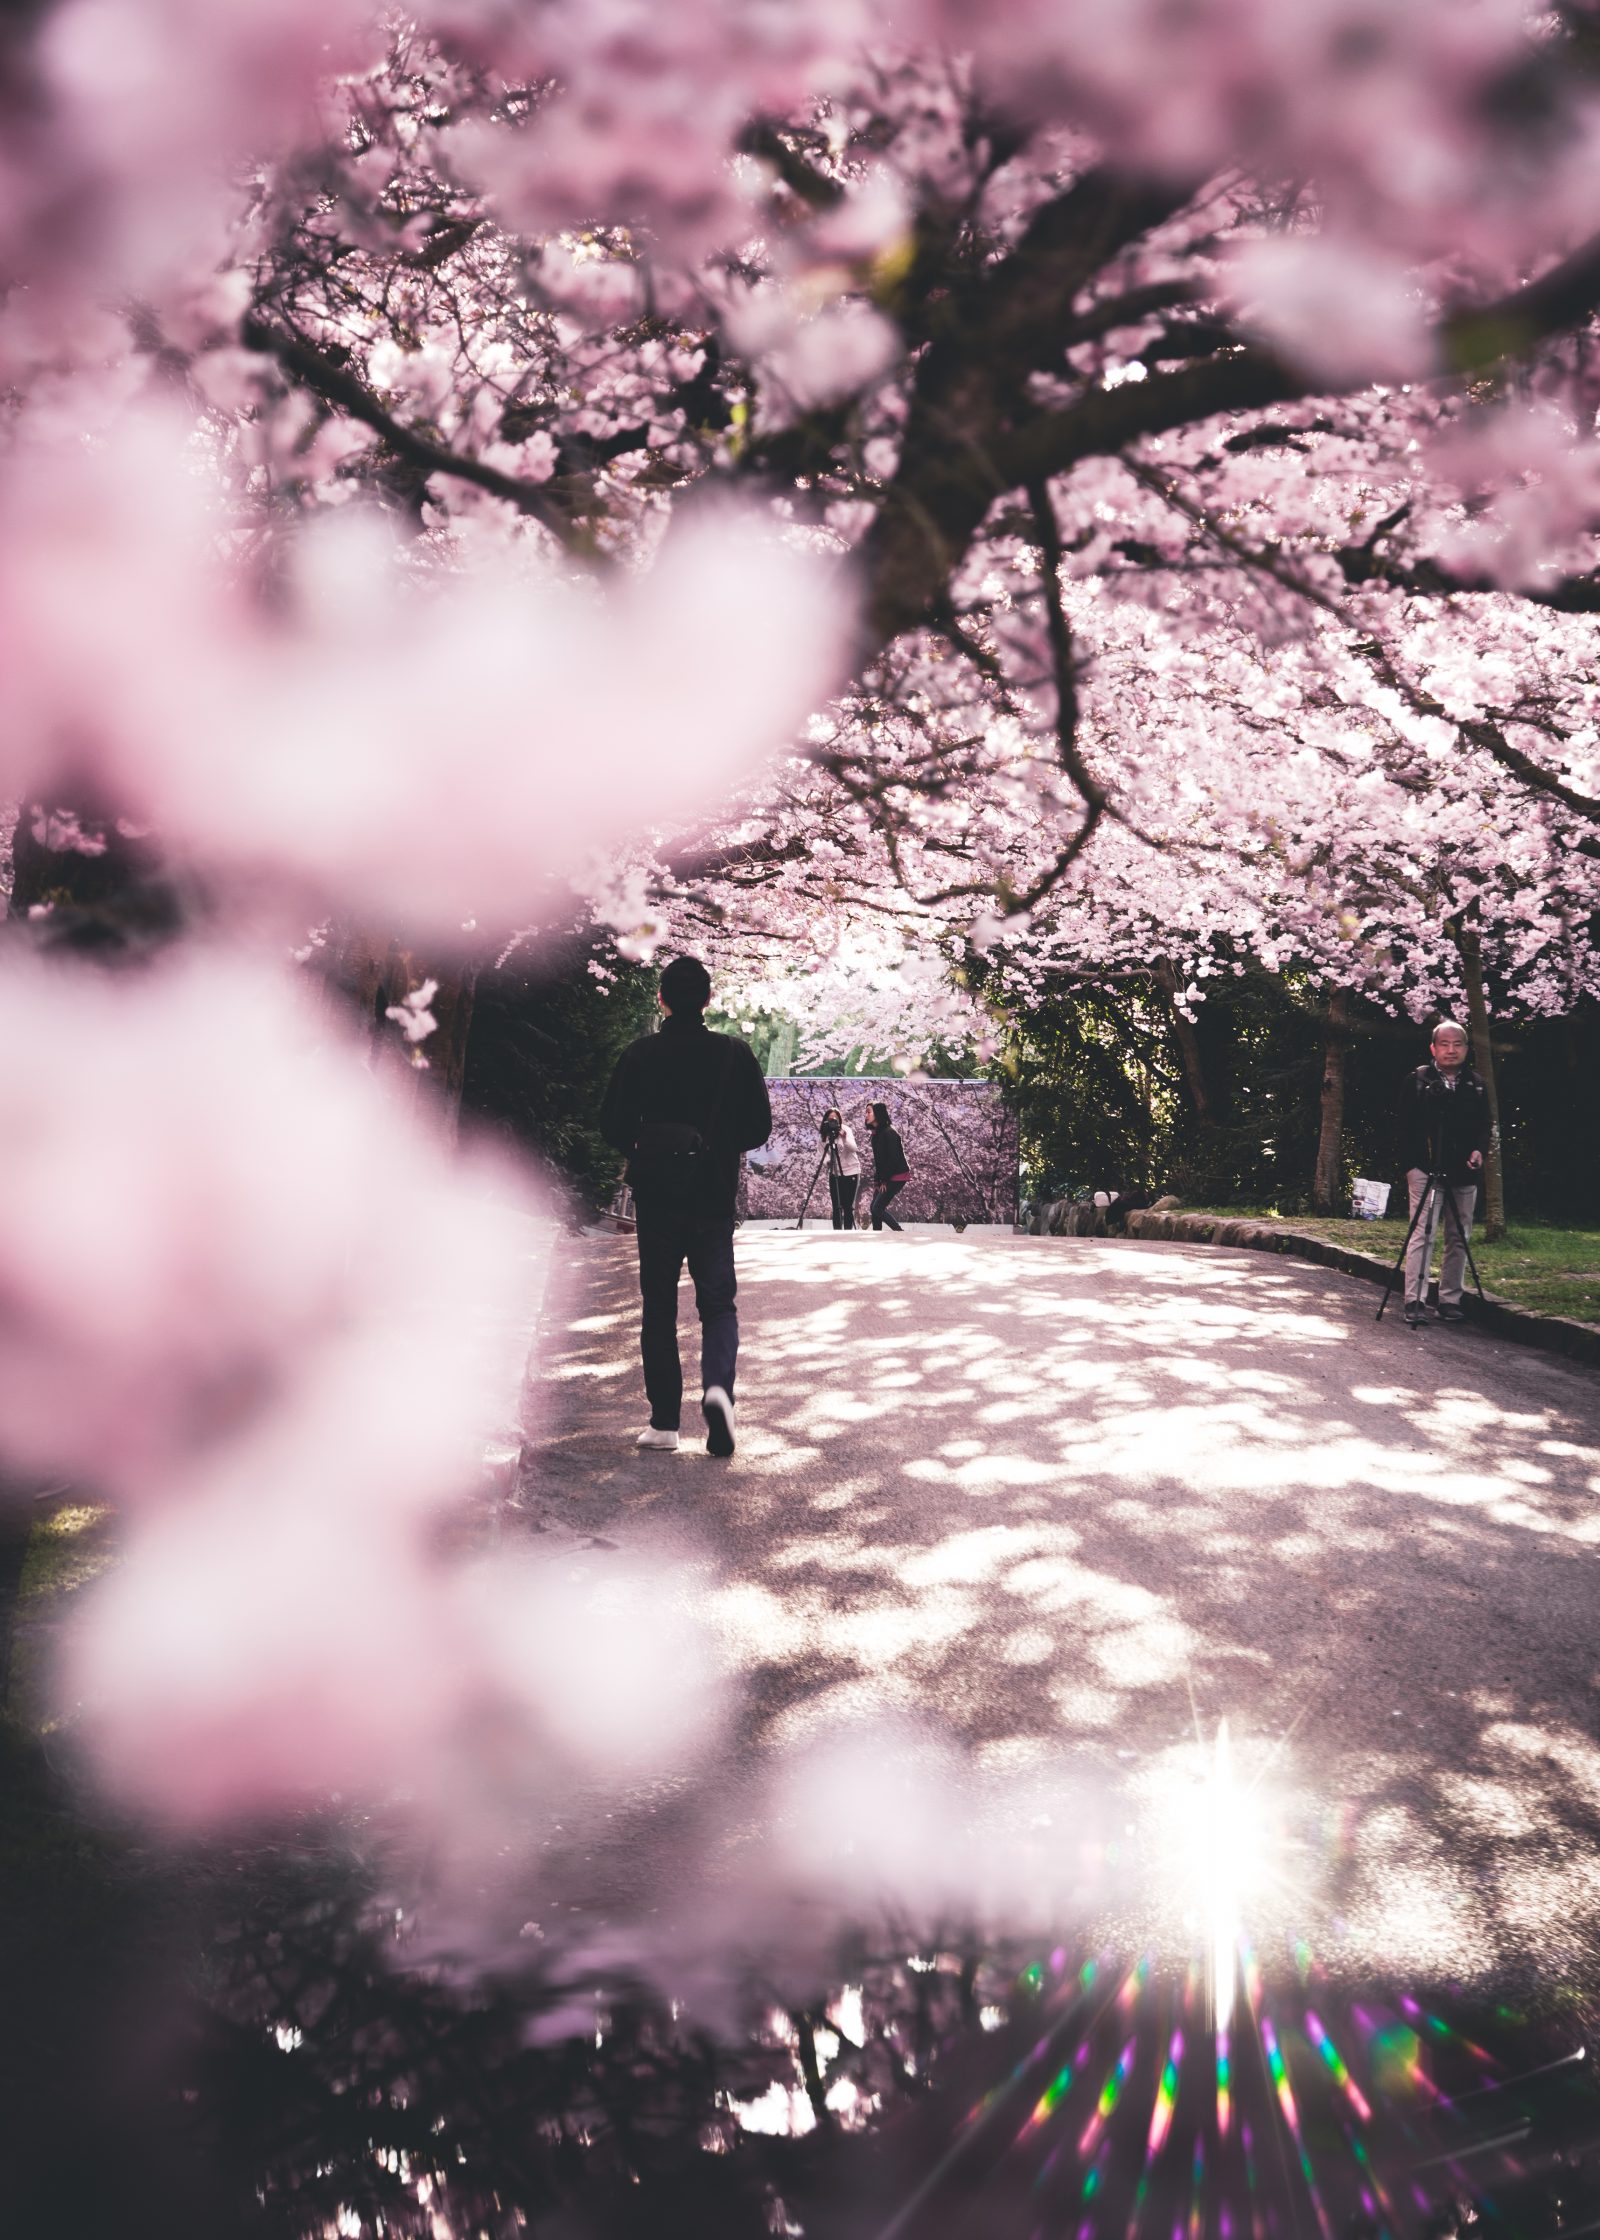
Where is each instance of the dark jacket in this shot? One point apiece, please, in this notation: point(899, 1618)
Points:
point(888, 1155)
point(684, 1072)
point(1444, 1125)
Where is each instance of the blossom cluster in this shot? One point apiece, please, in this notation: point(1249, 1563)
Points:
point(1138, 461)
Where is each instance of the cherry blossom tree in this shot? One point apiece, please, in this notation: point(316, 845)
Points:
point(1133, 465)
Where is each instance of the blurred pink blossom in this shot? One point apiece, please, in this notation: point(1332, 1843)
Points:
point(121, 170)
point(1536, 483)
point(224, 1253)
point(423, 752)
point(1339, 309)
point(834, 353)
point(650, 98)
point(611, 1649)
point(252, 1655)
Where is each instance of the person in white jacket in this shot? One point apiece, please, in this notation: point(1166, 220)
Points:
point(844, 1167)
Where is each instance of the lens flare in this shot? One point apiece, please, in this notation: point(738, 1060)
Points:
point(1110, 2094)
point(1331, 2057)
point(1051, 2098)
point(1278, 2070)
point(1166, 2098)
point(1222, 1834)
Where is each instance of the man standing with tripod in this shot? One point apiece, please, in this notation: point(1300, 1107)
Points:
point(1444, 1141)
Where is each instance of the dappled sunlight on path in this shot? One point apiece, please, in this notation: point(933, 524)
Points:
point(1075, 1502)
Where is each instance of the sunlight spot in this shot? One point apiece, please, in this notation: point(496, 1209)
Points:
point(1146, 1655)
point(782, 2112)
point(967, 1557)
point(1493, 1805)
point(1088, 1707)
point(1029, 1646)
point(985, 1472)
point(884, 1632)
point(753, 1624)
point(1575, 1756)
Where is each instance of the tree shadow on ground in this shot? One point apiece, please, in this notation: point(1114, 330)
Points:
point(1078, 1503)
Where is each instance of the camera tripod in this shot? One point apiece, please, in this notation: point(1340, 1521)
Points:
point(830, 1160)
point(1436, 1193)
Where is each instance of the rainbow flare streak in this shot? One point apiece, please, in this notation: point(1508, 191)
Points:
point(1050, 2099)
point(1224, 2085)
point(1291, 2116)
point(1335, 2065)
point(1166, 2099)
point(1441, 2029)
point(1111, 2093)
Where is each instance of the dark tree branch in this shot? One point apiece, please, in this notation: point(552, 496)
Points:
point(1493, 741)
point(1476, 341)
point(803, 180)
point(1128, 310)
point(317, 371)
point(1425, 579)
point(967, 444)
point(1063, 661)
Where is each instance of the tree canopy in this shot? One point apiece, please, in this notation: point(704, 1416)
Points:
point(962, 507)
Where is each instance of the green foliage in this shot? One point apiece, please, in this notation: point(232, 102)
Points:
point(1093, 1079)
point(773, 1038)
point(1546, 1266)
point(546, 1032)
point(1098, 1080)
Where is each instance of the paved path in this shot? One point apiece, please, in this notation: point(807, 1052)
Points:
point(1076, 1502)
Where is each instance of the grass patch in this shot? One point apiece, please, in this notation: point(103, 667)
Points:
point(66, 1549)
point(1553, 1270)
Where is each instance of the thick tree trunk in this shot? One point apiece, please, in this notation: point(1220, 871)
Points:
point(1194, 1069)
point(1470, 951)
point(374, 977)
point(1326, 1183)
point(440, 1059)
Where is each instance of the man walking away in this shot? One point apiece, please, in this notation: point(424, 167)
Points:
point(683, 1104)
point(890, 1173)
point(1444, 1131)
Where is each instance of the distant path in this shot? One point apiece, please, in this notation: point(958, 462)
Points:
point(1078, 1501)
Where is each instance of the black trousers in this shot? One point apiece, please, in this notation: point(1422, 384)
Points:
point(666, 1241)
point(882, 1198)
point(842, 1189)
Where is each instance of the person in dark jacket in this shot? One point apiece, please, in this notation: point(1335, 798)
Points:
point(1444, 1132)
point(890, 1172)
point(683, 1104)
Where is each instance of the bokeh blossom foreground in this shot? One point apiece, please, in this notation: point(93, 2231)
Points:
point(909, 502)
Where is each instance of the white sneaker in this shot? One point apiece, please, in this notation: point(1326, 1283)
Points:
point(660, 1442)
point(717, 1409)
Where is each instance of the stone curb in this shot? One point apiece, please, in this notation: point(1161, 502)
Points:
point(1577, 1341)
point(1554, 1333)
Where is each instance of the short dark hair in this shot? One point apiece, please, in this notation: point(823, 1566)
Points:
point(686, 985)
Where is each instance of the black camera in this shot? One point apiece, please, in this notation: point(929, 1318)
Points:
point(828, 1129)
